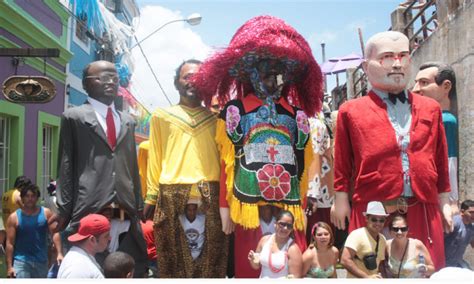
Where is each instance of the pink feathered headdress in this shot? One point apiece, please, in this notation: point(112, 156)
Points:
point(262, 37)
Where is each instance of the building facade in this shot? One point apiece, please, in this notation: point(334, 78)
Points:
point(29, 132)
point(83, 31)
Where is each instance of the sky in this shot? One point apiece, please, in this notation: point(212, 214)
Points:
point(333, 22)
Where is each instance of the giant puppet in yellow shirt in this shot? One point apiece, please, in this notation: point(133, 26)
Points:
point(183, 164)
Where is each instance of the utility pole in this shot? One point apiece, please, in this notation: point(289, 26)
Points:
point(323, 50)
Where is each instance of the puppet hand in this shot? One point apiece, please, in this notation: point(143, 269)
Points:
point(446, 211)
point(148, 211)
point(312, 206)
point(448, 219)
point(454, 208)
point(227, 224)
point(60, 222)
point(340, 210)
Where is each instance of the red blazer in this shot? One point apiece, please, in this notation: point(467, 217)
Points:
point(367, 153)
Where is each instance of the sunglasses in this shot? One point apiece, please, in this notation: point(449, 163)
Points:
point(105, 78)
point(284, 225)
point(377, 220)
point(396, 229)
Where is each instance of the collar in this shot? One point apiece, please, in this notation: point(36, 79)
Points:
point(384, 96)
point(381, 97)
point(101, 108)
point(251, 102)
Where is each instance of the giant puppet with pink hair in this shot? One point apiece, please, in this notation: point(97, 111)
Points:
point(267, 82)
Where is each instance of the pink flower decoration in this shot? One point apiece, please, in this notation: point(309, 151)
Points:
point(274, 182)
point(232, 118)
point(302, 121)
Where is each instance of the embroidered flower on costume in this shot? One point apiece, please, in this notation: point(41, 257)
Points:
point(274, 182)
point(232, 119)
point(302, 121)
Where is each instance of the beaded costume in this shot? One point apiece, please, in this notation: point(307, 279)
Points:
point(263, 131)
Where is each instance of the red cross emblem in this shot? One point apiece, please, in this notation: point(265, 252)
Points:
point(272, 153)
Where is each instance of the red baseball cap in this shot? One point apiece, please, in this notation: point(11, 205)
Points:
point(90, 225)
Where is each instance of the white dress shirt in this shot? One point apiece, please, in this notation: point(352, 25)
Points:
point(101, 113)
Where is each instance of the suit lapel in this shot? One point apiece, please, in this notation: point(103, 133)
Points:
point(123, 128)
point(377, 106)
point(90, 118)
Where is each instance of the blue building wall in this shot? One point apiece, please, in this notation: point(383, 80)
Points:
point(83, 55)
point(80, 60)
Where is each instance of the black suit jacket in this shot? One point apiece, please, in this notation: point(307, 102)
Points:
point(91, 174)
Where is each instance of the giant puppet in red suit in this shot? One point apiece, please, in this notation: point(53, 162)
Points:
point(269, 83)
point(390, 147)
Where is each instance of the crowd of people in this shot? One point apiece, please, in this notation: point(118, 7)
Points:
point(241, 193)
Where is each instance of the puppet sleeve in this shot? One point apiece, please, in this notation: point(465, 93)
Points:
point(66, 192)
point(441, 157)
point(343, 154)
point(154, 161)
point(227, 157)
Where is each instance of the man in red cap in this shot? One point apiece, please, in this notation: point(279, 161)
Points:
point(92, 237)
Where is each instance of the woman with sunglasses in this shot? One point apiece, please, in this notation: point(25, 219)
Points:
point(406, 257)
point(278, 255)
point(320, 259)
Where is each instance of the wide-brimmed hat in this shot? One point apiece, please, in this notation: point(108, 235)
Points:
point(375, 208)
point(90, 225)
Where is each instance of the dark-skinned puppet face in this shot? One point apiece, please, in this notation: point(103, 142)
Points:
point(268, 78)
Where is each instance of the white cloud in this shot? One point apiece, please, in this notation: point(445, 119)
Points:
point(316, 39)
point(165, 51)
point(362, 24)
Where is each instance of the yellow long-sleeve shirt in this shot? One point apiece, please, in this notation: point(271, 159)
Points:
point(182, 148)
point(142, 159)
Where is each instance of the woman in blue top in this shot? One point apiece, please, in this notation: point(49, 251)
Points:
point(320, 259)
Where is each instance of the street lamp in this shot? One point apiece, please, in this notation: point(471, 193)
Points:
point(193, 19)
point(323, 50)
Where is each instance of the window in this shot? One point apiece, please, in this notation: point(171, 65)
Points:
point(114, 6)
point(12, 138)
point(4, 153)
point(47, 154)
point(81, 28)
point(47, 150)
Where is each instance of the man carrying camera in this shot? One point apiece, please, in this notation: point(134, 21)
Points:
point(364, 249)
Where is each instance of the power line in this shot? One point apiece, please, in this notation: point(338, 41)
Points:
point(79, 21)
point(151, 69)
point(148, 62)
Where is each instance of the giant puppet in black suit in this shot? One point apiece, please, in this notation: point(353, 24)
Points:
point(98, 162)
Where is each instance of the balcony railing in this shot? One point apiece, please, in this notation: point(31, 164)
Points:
point(421, 21)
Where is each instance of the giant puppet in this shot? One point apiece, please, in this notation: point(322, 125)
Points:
point(183, 165)
point(390, 147)
point(263, 138)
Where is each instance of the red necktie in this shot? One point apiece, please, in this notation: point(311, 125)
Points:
point(109, 119)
